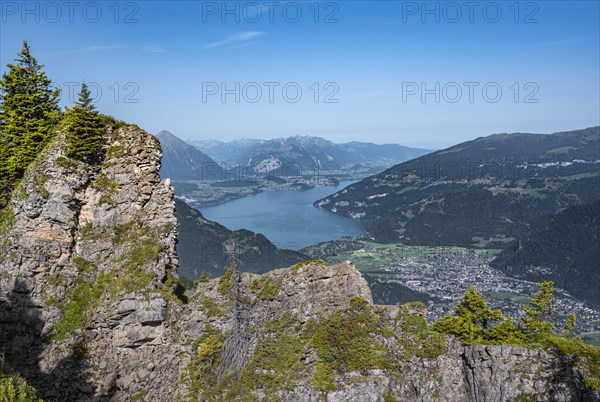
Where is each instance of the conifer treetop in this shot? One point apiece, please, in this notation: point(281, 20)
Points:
point(29, 114)
point(85, 99)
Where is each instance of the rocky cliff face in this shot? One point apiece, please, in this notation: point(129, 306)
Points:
point(87, 263)
point(90, 309)
point(311, 333)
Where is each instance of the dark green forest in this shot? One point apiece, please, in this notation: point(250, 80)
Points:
point(567, 245)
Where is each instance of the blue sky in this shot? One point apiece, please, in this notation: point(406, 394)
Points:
point(415, 73)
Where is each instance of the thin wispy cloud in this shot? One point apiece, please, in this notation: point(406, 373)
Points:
point(236, 40)
point(153, 49)
point(242, 45)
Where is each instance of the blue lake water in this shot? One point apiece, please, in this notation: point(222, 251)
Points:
point(287, 218)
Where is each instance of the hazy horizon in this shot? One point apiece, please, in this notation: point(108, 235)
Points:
point(421, 74)
point(449, 144)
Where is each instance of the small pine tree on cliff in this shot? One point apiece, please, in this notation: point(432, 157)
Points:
point(84, 128)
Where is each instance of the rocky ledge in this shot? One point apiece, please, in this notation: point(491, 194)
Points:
point(91, 309)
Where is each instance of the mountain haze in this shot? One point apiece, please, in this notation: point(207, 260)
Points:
point(481, 193)
point(181, 161)
point(114, 289)
point(91, 308)
point(304, 154)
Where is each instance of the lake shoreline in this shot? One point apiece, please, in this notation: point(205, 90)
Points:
point(286, 216)
point(219, 195)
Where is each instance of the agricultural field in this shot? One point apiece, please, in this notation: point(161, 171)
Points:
point(515, 298)
point(440, 276)
point(374, 257)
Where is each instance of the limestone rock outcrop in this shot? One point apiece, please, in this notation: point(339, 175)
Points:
point(91, 309)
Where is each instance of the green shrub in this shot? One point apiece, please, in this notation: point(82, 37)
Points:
point(173, 286)
point(275, 363)
point(418, 340)
point(387, 397)
point(7, 217)
point(79, 350)
point(210, 308)
point(224, 286)
point(14, 388)
point(416, 305)
point(200, 370)
point(107, 187)
point(80, 301)
point(433, 344)
point(576, 347)
point(324, 377)
point(526, 397)
point(264, 287)
point(130, 274)
point(345, 340)
point(203, 277)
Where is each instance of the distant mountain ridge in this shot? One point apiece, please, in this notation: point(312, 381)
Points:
point(92, 309)
point(182, 161)
point(481, 193)
point(291, 155)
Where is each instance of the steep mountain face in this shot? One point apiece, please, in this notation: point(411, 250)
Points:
point(87, 271)
point(480, 193)
point(205, 245)
point(299, 155)
point(227, 152)
point(90, 309)
point(295, 335)
point(562, 248)
point(182, 161)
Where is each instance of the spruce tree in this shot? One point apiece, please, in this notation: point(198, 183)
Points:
point(29, 113)
point(570, 325)
point(473, 307)
point(539, 315)
point(84, 128)
point(473, 321)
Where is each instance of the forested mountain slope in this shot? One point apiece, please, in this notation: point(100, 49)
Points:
point(564, 248)
point(481, 193)
point(207, 246)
